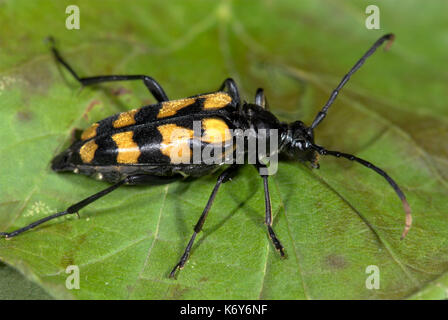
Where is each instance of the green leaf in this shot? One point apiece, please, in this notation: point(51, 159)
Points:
point(334, 222)
point(14, 286)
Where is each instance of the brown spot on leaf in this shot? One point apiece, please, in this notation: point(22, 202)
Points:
point(89, 108)
point(336, 261)
point(67, 259)
point(120, 91)
point(37, 78)
point(24, 116)
point(176, 292)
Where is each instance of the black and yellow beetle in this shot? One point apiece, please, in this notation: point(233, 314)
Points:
point(153, 144)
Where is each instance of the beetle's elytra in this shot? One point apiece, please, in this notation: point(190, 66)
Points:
point(154, 144)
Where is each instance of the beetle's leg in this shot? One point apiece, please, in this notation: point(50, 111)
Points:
point(153, 86)
point(260, 99)
point(136, 179)
point(268, 216)
point(225, 176)
point(232, 89)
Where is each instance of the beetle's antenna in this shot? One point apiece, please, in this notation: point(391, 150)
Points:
point(407, 208)
point(321, 115)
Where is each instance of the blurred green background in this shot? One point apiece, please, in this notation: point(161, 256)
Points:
point(333, 222)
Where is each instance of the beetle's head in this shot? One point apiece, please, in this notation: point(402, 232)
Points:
point(297, 141)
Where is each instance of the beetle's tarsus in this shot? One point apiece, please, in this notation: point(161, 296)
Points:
point(408, 223)
point(282, 252)
point(390, 41)
point(173, 272)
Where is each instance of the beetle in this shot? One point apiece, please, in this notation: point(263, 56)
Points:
point(141, 146)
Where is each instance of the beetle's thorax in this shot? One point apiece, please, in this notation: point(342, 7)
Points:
point(293, 139)
point(259, 118)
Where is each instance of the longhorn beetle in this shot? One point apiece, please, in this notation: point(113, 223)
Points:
point(135, 147)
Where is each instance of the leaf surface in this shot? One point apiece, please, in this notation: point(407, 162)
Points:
point(334, 222)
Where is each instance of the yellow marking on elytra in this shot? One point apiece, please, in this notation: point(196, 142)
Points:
point(89, 132)
point(125, 119)
point(215, 131)
point(87, 151)
point(128, 150)
point(170, 108)
point(216, 100)
point(176, 142)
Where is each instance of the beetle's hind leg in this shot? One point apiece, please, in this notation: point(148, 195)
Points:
point(135, 179)
point(225, 176)
point(153, 86)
